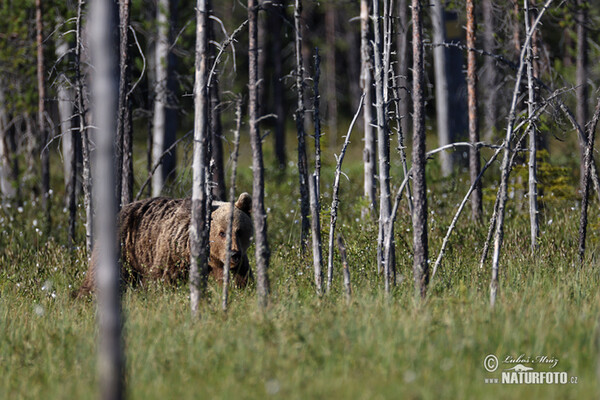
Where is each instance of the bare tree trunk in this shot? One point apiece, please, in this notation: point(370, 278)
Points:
point(314, 185)
point(383, 140)
point(45, 167)
point(489, 75)
point(259, 217)
point(302, 162)
point(85, 143)
point(103, 45)
point(506, 163)
point(403, 58)
point(335, 201)
point(124, 127)
point(581, 90)
point(588, 159)
point(228, 237)
point(216, 131)
point(442, 100)
point(420, 248)
point(369, 154)
point(164, 123)
point(199, 229)
point(330, 79)
point(474, 162)
point(533, 139)
point(276, 17)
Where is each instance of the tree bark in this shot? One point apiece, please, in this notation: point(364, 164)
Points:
point(403, 59)
point(369, 154)
point(420, 247)
point(259, 216)
point(103, 45)
point(474, 161)
point(124, 123)
point(85, 143)
point(199, 229)
point(302, 161)
point(7, 190)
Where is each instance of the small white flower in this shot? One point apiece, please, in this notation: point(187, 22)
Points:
point(20, 209)
point(35, 222)
point(39, 310)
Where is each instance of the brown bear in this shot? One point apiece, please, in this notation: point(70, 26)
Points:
point(154, 237)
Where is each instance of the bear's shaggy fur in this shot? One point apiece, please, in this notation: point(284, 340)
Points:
point(154, 237)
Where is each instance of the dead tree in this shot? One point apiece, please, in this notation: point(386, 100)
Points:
point(581, 90)
point(302, 161)
point(85, 143)
point(383, 135)
point(335, 201)
point(533, 137)
point(330, 79)
point(103, 45)
point(199, 229)
point(420, 248)
point(259, 216)
point(506, 162)
point(366, 81)
point(314, 186)
point(588, 159)
point(276, 16)
point(124, 123)
point(474, 162)
point(229, 233)
point(45, 166)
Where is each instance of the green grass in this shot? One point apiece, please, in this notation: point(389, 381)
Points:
point(302, 346)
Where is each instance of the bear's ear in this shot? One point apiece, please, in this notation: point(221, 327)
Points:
point(244, 203)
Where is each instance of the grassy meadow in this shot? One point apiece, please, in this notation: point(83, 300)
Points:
point(308, 347)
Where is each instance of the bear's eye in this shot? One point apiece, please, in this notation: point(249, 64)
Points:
point(222, 234)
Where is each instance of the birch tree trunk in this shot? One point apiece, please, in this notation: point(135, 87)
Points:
point(474, 161)
point(420, 248)
point(314, 188)
point(103, 45)
point(403, 58)
point(124, 127)
point(199, 229)
point(366, 82)
point(45, 165)
point(442, 100)
point(533, 139)
point(259, 216)
point(302, 161)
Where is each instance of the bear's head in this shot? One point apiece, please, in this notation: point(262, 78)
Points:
point(240, 234)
